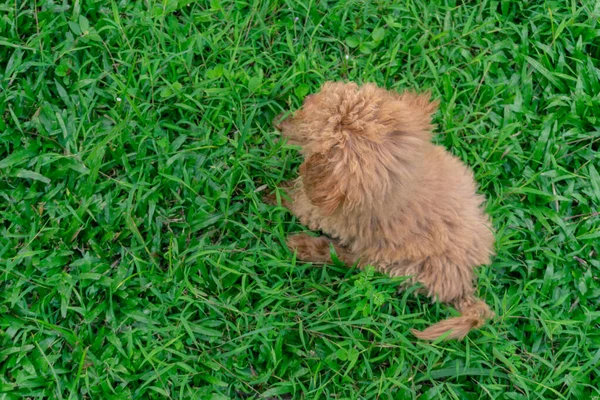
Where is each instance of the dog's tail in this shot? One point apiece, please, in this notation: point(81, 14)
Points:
point(474, 314)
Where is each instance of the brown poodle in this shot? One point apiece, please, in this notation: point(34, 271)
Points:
point(386, 196)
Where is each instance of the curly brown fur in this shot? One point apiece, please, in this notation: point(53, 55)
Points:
point(373, 181)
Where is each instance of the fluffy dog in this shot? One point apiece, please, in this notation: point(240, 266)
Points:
point(386, 196)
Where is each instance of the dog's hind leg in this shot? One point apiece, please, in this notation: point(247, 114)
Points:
point(317, 249)
point(447, 282)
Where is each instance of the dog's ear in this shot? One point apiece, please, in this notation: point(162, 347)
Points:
point(320, 182)
point(415, 111)
point(421, 102)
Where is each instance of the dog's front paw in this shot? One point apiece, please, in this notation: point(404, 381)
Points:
point(309, 248)
point(277, 121)
point(270, 199)
point(284, 191)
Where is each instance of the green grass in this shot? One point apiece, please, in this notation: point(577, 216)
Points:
point(137, 259)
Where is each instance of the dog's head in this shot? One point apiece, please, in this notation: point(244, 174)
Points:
point(355, 140)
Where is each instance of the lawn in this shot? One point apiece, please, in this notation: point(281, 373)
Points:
point(137, 259)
